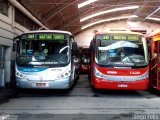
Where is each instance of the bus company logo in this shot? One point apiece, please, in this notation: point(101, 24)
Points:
point(56, 69)
point(123, 67)
point(111, 72)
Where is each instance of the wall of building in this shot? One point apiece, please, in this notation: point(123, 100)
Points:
point(8, 30)
point(84, 38)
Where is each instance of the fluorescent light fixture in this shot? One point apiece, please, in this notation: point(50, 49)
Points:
point(85, 3)
point(152, 13)
point(154, 18)
point(108, 11)
point(105, 20)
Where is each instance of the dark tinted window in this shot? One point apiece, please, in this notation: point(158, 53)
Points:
point(4, 7)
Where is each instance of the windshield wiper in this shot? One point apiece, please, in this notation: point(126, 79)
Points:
point(135, 64)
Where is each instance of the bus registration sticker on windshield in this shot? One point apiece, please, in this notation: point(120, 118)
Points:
point(122, 85)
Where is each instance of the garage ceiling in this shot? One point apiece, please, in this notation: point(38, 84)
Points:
point(72, 16)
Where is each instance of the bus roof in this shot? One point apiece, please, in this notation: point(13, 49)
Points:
point(123, 32)
point(55, 31)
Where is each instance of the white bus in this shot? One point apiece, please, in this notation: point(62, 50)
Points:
point(46, 59)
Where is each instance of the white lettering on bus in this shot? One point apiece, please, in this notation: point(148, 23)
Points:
point(112, 72)
point(135, 72)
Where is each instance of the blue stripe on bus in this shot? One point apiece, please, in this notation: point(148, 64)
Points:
point(25, 69)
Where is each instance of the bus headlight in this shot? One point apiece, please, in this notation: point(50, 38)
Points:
point(19, 75)
point(96, 72)
point(64, 75)
point(99, 74)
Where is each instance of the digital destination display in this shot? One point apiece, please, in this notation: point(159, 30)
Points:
point(44, 36)
point(128, 37)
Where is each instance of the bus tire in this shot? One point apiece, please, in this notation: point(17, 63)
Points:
point(93, 88)
point(18, 90)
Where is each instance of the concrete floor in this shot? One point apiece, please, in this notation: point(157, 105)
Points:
point(82, 103)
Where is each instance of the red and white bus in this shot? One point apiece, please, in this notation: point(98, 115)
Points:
point(84, 60)
point(119, 60)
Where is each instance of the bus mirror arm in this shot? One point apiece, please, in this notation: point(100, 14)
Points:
point(16, 38)
point(74, 46)
point(15, 42)
point(14, 46)
point(74, 49)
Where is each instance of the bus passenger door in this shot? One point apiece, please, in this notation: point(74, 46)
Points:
point(155, 64)
point(75, 62)
point(158, 64)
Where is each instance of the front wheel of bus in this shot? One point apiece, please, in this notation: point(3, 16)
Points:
point(91, 84)
point(18, 90)
point(72, 83)
point(93, 88)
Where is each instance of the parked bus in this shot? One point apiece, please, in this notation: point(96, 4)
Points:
point(85, 58)
point(46, 60)
point(119, 60)
point(154, 64)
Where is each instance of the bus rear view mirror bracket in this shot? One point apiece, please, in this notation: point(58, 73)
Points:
point(15, 40)
point(74, 46)
point(74, 49)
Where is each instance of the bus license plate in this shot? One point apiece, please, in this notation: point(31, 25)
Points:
point(41, 85)
point(122, 85)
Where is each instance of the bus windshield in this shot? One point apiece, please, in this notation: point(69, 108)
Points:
point(43, 52)
point(121, 50)
point(85, 55)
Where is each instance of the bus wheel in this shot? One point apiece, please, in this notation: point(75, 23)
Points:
point(93, 88)
point(18, 90)
point(150, 88)
point(91, 84)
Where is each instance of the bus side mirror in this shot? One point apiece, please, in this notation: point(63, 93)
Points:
point(74, 46)
point(92, 47)
point(14, 46)
point(15, 40)
point(74, 49)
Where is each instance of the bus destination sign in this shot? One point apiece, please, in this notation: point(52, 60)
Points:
point(128, 37)
point(44, 36)
point(51, 37)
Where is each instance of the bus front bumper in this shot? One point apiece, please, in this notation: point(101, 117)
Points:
point(52, 84)
point(121, 85)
